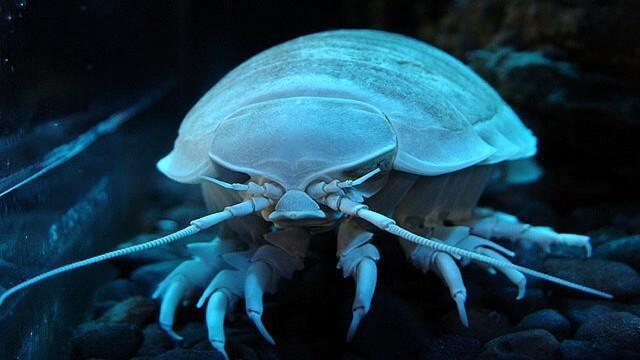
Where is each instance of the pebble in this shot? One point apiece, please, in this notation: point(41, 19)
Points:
point(117, 290)
point(187, 354)
point(149, 276)
point(620, 329)
point(137, 310)
point(453, 347)
point(156, 341)
point(625, 250)
point(183, 214)
point(586, 350)
point(106, 341)
point(484, 324)
point(193, 333)
point(504, 298)
point(532, 344)
point(547, 319)
point(579, 311)
point(392, 329)
point(609, 276)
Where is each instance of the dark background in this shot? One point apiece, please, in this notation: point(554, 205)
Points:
point(580, 96)
point(570, 69)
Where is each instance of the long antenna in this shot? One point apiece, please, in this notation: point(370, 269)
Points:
point(350, 207)
point(241, 209)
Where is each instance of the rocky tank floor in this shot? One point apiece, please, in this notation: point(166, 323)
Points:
point(412, 315)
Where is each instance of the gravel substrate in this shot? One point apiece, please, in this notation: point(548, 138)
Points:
point(411, 315)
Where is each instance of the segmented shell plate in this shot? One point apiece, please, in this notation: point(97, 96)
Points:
point(445, 116)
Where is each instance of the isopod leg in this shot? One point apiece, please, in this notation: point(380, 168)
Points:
point(494, 224)
point(357, 258)
point(366, 276)
point(222, 294)
point(447, 268)
point(179, 286)
point(217, 307)
point(279, 259)
point(177, 289)
point(259, 278)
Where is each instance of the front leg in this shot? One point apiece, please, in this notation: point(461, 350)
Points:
point(495, 224)
point(231, 275)
point(179, 286)
point(448, 268)
point(357, 258)
point(279, 259)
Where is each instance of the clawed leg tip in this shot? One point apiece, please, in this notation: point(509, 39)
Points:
point(203, 298)
point(218, 345)
point(464, 320)
point(522, 289)
point(169, 330)
point(201, 302)
point(460, 299)
point(257, 320)
point(358, 314)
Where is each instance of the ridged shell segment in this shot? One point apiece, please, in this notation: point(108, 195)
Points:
point(445, 116)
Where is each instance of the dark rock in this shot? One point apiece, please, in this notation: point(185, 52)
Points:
point(267, 352)
point(247, 353)
point(609, 276)
point(202, 345)
point(484, 324)
point(149, 276)
point(529, 71)
point(575, 27)
point(625, 250)
point(504, 298)
point(451, 347)
point(532, 344)
point(137, 310)
point(547, 319)
point(392, 329)
point(117, 290)
point(565, 104)
point(106, 341)
point(297, 348)
point(586, 350)
point(186, 354)
point(348, 355)
point(183, 214)
point(193, 333)
point(604, 235)
point(619, 329)
point(156, 341)
point(579, 311)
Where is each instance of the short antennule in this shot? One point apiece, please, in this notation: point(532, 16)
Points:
point(267, 189)
point(358, 181)
point(350, 207)
point(241, 209)
point(226, 185)
point(321, 189)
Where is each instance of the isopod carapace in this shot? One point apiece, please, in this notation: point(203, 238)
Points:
point(355, 131)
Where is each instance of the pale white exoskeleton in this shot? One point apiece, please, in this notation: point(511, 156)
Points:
point(354, 131)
